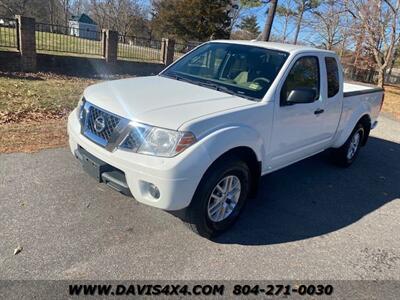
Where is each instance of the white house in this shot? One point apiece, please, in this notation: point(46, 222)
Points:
point(84, 27)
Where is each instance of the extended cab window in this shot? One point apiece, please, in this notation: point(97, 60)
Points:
point(332, 73)
point(303, 83)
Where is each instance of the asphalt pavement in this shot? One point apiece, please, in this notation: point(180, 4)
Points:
point(311, 220)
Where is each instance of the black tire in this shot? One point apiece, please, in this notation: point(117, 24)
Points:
point(341, 155)
point(196, 215)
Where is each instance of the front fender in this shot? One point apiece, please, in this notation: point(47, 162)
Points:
point(227, 138)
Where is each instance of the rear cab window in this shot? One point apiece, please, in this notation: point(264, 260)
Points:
point(332, 74)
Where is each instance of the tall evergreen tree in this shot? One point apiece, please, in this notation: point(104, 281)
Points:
point(250, 25)
point(193, 19)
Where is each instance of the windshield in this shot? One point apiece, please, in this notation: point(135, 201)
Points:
point(246, 71)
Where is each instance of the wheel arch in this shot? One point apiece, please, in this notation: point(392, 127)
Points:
point(364, 119)
point(247, 155)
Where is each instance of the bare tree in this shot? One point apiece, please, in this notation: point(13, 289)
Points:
point(326, 23)
point(345, 31)
point(124, 16)
point(236, 13)
point(380, 20)
point(287, 14)
point(41, 10)
point(303, 6)
point(14, 7)
point(79, 6)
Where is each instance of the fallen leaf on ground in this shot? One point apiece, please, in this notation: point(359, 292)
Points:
point(17, 250)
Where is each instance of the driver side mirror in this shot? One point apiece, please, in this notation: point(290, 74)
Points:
point(301, 95)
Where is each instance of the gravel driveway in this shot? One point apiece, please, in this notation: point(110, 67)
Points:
point(311, 220)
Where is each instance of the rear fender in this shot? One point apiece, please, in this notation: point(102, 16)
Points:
point(350, 124)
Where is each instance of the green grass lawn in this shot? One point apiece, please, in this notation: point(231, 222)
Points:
point(61, 44)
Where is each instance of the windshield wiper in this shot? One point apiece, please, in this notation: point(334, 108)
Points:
point(205, 84)
point(217, 87)
point(180, 78)
point(210, 85)
point(225, 90)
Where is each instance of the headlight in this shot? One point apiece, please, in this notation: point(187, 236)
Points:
point(157, 141)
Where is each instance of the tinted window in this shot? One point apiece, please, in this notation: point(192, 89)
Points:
point(303, 75)
point(243, 70)
point(332, 72)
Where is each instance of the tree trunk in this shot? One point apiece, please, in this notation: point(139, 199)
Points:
point(300, 19)
point(342, 48)
point(265, 35)
point(381, 77)
point(284, 30)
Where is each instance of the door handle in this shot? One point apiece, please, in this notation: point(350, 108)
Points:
point(318, 111)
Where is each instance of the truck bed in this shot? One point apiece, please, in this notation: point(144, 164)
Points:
point(360, 98)
point(354, 89)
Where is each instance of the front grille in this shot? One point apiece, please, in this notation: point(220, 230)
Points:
point(110, 123)
point(99, 125)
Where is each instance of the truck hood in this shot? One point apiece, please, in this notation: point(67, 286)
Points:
point(160, 101)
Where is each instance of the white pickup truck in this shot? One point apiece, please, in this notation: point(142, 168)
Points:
point(197, 137)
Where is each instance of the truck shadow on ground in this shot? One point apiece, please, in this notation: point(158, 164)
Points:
point(314, 197)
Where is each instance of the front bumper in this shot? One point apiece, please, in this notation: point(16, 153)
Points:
point(176, 178)
point(102, 171)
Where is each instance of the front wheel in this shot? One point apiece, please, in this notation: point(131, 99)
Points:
point(345, 155)
point(219, 198)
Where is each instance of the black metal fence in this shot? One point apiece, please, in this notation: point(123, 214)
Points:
point(137, 48)
point(8, 33)
point(68, 39)
point(89, 41)
point(392, 79)
point(183, 48)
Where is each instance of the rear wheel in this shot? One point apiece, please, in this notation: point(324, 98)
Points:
point(219, 198)
point(346, 155)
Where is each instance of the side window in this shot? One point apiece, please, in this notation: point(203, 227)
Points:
point(302, 85)
point(332, 73)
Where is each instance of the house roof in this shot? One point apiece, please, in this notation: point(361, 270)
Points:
point(83, 18)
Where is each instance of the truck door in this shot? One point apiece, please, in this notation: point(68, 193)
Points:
point(298, 116)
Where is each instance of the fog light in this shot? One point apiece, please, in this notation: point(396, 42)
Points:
point(154, 191)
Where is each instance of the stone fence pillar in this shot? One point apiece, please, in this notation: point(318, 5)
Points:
point(110, 42)
point(26, 42)
point(167, 51)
